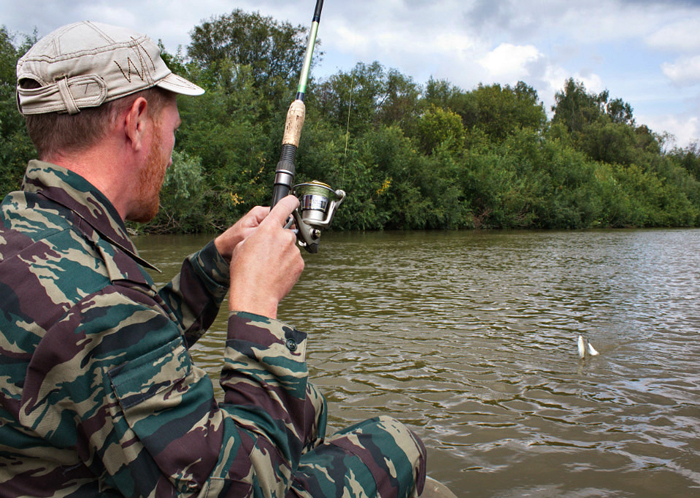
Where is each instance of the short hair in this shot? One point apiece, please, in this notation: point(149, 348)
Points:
point(55, 132)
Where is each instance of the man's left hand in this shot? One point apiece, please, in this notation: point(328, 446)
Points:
point(227, 241)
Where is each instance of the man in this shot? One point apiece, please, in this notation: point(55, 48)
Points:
point(98, 393)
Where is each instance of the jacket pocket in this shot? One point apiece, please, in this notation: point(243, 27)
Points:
point(150, 390)
point(142, 385)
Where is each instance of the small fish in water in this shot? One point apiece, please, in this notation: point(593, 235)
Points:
point(585, 347)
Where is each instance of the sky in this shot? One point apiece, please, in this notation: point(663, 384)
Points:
point(646, 52)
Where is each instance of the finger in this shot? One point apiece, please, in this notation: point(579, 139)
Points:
point(259, 213)
point(280, 213)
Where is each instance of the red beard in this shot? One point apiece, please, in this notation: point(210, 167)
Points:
point(150, 182)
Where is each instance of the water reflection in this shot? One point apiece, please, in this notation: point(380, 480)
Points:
point(470, 337)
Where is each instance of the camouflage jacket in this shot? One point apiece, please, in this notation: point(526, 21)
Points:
point(98, 393)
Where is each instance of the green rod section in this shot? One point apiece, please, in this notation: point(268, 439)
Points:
point(285, 171)
point(304, 76)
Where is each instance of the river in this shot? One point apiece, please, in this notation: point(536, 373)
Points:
point(471, 339)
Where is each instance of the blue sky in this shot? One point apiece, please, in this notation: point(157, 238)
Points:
point(646, 52)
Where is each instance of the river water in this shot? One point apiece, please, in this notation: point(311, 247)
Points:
point(471, 339)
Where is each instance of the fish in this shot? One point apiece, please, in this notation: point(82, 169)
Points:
point(586, 348)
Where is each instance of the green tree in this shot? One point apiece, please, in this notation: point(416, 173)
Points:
point(273, 50)
point(607, 141)
point(497, 111)
point(500, 111)
point(574, 107)
point(352, 100)
point(688, 158)
point(441, 93)
point(236, 152)
point(437, 127)
point(15, 147)
point(619, 111)
point(604, 128)
point(399, 105)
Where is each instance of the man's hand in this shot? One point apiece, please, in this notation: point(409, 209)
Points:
point(267, 263)
point(227, 241)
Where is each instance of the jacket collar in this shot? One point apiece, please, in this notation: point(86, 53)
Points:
point(74, 192)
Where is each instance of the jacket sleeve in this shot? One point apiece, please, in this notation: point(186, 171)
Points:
point(195, 295)
point(114, 380)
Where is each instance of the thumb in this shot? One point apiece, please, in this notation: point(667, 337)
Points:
point(281, 211)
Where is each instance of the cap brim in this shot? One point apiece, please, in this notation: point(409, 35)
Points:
point(177, 84)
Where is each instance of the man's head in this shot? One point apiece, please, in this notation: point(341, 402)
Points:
point(73, 82)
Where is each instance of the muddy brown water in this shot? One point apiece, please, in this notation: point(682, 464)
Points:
point(470, 338)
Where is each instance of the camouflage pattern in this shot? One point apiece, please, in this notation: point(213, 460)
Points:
point(98, 392)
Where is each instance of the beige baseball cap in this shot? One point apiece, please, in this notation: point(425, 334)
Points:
point(88, 63)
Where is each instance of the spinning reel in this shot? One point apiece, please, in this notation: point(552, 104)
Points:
point(317, 205)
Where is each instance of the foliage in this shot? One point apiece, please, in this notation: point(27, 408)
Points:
point(409, 156)
point(273, 51)
point(183, 197)
point(15, 146)
point(497, 111)
point(439, 126)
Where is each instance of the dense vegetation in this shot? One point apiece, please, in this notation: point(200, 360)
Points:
point(410, 156)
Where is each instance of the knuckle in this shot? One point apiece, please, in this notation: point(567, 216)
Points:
point(291, 237)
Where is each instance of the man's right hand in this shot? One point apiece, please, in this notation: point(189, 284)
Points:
point(266, 265)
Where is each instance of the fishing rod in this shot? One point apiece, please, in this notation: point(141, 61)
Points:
point(318, 201)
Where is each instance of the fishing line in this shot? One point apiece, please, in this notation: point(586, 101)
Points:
point(347, 128)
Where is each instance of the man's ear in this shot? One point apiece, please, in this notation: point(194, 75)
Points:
point(135, 123)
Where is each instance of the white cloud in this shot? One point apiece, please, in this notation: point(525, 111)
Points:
point(509, 62)
point(683, 35)
point(345, 36)
point(685, 71)
point(453, 42)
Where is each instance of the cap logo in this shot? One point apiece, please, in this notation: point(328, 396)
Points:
point(131, 66)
